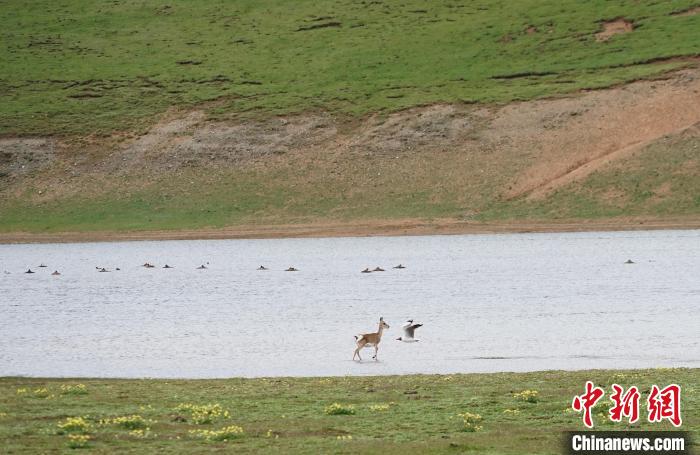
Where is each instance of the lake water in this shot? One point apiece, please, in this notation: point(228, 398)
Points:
point(488, 303)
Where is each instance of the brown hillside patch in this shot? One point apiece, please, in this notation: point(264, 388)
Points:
point(690, 167)
point(614, 27)
point(662, 192)
point(21, 156)
point(568, 139)
point(615, 196)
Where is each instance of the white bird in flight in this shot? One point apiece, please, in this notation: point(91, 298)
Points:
point(409, 329)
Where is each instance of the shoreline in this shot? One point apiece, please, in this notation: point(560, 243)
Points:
point(371, 228)
point(15, 377)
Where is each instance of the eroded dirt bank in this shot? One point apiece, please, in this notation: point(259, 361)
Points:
point(447, 162)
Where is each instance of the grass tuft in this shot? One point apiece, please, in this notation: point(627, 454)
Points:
point(339, 409)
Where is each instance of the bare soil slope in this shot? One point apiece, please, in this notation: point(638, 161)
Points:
point(439, 161)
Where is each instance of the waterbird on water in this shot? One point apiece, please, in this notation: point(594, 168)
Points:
point(292, 269)
point(378, 269)
point(400, 266)
point(56, 273)
point(262, 267)
point(202, 267)
point(148, 265)
point(409, 329)
point(166, 266)
point(629, 261)
point(42, 265)
point(103, 270)
point(367, 270)
point(29, 271)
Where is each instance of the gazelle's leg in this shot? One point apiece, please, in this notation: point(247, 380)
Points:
point(357, 351)
point(376, 350)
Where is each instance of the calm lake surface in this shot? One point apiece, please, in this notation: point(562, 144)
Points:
point(489, 303)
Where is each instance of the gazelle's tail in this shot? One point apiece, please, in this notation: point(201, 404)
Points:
point(358, 337)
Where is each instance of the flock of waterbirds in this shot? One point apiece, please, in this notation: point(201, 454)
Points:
point(148, 265)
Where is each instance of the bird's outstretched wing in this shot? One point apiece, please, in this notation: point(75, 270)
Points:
point(409, 330)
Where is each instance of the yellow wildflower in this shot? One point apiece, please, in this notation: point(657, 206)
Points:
point(224, 434)
point(74, 425)
point(78, 441)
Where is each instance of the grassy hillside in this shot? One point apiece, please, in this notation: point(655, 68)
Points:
point(75, 67)
point(139, 115)
point(394, 414)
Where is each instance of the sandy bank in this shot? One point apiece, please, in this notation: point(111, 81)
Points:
point(360, 229)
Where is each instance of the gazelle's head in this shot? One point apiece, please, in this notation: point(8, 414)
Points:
point(383, 324)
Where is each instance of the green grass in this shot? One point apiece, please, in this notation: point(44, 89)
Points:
point(393, 414)
point(219, 198)
point(75, 67)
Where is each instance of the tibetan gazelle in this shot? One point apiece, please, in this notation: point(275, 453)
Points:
point(370, 340)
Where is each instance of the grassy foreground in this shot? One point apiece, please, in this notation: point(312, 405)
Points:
point(75, 67)
point(394, 414)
